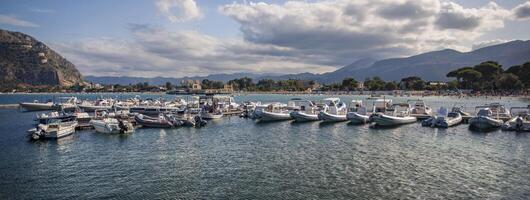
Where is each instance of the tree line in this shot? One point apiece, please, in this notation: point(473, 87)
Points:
point(491, 76)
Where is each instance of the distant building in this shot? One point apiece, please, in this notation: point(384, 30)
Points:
point(228, 88)
point(196, 86)
point(437, 83)
point(360, 85)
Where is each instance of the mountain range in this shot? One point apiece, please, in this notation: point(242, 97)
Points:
point(431, 66)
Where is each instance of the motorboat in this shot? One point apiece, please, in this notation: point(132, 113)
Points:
point(304, 110)
point(100, 104)
point(419, 109)
point(397, 114)
point(273, 112)
point(444, 118)
point(371, 106)
point(336, 111)
point(358, 113)
point(66, 104)
point(112, 125)
point(53, 129)
point(211, 112)
point(489, 117)
point(162, 121)
point(520, 121)
point(37, 106)
point(44, 118)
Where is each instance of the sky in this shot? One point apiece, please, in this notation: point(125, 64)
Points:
point(176, 38)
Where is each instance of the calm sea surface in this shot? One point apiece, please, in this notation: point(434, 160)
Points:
point(238, 159)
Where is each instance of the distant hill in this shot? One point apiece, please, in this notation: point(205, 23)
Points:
point(435, 65)
point(126, 80)
point(25, 60)
point(432, 65)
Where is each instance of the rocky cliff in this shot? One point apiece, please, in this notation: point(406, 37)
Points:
point(25, 60)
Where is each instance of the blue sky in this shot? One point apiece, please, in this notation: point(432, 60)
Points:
point(199, 37)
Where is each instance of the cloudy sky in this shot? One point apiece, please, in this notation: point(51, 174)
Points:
point(175, 38)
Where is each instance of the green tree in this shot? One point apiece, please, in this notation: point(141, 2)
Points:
point(509, 81)
point(349, 84)
point(490, 71)
point(169, 86)
point(469, 76)
point(390, 85)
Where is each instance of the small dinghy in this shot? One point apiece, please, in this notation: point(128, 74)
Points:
point(273, 112)
point(162, 121)
point(444, 119)
point(112, 125)
point(489, 117)
point(53, 129)
point(305, 111)
point(521, 121)
point(209, 112)
point(357, 113)
point(336, 111)
point(419, 109)
point(397, 114)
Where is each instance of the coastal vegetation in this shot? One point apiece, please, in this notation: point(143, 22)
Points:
point(491, 76)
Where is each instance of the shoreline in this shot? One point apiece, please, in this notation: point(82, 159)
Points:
point(339, 93)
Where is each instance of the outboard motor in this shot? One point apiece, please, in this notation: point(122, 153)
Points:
point(518, 123)
point(199, 122)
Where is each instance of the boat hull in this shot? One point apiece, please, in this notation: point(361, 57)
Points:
point(515, 125)
point(304, 117)
point(211, 116)
point(152, 122)
point(265, 116)
point(386, 120)
point(358, 118)
point(102, 127)
point(37, 106)
point(484, 123)
point(327, 117)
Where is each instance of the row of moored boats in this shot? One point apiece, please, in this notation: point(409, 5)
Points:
point(114, 116)
point(383, 112)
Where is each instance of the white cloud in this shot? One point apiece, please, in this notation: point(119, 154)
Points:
point(14, 21)
point(179, 10)
point(293, 37)
point(156, 51)
point(522, 11)
point(348, 30)
point(42, 10)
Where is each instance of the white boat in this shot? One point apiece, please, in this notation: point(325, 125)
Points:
point(419, 109)
point(66, 103)
point(36, 106)
point(397, 114)
point(336, 111)
point(273, 112)
point(304, 111)
point(53, 130)
point(444, 118)
point(358, 113)
point(211, 111)
point(489, 117)
point(162, 121)
point(100, 104)
point(520, 121)
point(371, 106)
point(112, 125)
